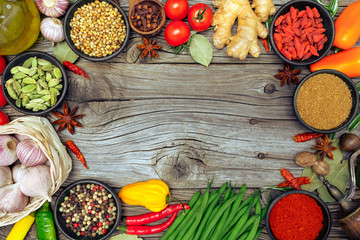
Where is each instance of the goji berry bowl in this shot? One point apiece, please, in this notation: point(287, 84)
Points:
point(87, 209)
point(298, 214)
point(302, 32)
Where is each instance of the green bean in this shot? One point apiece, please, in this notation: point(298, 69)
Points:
point(258, 208)
point(218, 214)
point(248, 223)
point(179, 218)
point(208, 212)
point(220, 225)
point(243, 236)
point(258, 232)
point(254, 228)
point(264, 210)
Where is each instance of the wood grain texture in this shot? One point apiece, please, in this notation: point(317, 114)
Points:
point(173, 119)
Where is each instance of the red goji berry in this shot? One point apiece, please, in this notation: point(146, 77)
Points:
point(318, 37)
point(309, 12)
point(279, 20)
point(306, 56)
point(315, 13)
point(286, 53)
point(313, 51)
point(301, 14)
point(293, 13)
point(322, 41)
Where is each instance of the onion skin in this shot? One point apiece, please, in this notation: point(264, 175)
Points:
point(52, 8)
point(52, 29)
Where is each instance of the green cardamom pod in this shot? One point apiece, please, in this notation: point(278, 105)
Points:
point(29, 88)
point(34, 63)
point(18, 103)
point(11, 92)
point(27, 63)
point(17, 87)
point(59, 87)
point(57, 72)
point(43, 62)
point(48, 76)
point(25, 100)
point(53, 82)
point(19, 75)
point(54, 91)
point(40, 72)
point(14, 70)
point(28, 80)
point(46, 97)
point(43, 83)
point(48, 68)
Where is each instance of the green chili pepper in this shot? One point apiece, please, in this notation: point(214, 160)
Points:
point(332, 7)
point(45, 228)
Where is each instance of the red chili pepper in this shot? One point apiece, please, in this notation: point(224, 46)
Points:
point(75, 69)
point(145, 230)
point(290, 178)
point(264, 41)
point(300, 181)
point(71, 145)
point(153, 216)
point(303, 137)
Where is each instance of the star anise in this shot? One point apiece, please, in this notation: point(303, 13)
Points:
point(67, 119)
point(288, 75)
point(324, 147)
point(149, 48)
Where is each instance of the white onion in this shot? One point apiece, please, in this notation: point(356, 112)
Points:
point(7, 150)
point(5, 176)
point(52, 29)
point(30, 153)
point(36, 182)
point(12, 199)
point(18, 172)
point(52, 8)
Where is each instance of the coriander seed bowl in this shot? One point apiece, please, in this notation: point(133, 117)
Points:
point(102, 215)
point(34, 80)
point(92, 18)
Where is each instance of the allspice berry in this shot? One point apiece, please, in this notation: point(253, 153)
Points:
point(305, 159)
point(321, 168)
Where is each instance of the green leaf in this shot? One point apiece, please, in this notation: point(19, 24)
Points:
point(64, 53)
point(308, 172)
point(201, 50)
point(125, 236)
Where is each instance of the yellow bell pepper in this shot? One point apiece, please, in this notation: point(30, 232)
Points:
point(153, 194)
point(21, 228)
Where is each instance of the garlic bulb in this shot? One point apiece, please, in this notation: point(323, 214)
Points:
point(12, 199)
point(52, 29)
point(18, 172)
point(5, 176)
point(21, 137)
point(36, 182)
point(30, 153)
point(8, 150)
point(52, 8)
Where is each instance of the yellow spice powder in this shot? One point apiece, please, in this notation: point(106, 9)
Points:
point(324, 101)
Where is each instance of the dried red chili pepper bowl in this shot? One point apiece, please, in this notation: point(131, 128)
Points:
point(100, 217)
point(354, 96)
point(326, 223)
point(328, 24)
point(70, 15)
point(19, 61)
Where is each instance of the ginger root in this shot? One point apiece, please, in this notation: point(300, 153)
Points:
point(249, 26)
point(263, 9)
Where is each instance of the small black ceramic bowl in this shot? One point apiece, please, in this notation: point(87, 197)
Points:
point(70, 14)
point(328, 23)
point(354, 95)
point(324, 232)
point(18, 61)
point(61, 221)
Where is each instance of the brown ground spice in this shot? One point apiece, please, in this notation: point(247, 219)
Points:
point(324, 101)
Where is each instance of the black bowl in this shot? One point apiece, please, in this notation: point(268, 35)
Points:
point(61, 223)
point(328, 23)
point(70, 14)
point(354, 96)
point(18, 61)
point(324, 232)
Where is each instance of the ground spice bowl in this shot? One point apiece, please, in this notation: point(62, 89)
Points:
point(18, 61)
point(328, 23)
point(324, 232)
point(60, 221)
point(354, 95)
point(70, 14)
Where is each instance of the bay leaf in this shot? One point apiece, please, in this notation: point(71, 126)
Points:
point(201, 50)
point(64, 53)
point(125, 236)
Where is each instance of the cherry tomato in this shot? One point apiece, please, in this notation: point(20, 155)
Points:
point(3, 118)
point(176, 9)
point(2, 64)
point(200, 17)
point(177, 33)
point(2, 98)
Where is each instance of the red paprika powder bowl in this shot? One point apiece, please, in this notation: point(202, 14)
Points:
point(299, 214)
point(327, 23)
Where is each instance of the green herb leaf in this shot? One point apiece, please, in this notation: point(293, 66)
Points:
point(124, 236)
point(201, 50)
point(64, 53)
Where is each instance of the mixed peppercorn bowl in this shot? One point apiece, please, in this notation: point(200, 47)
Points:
point(87, 209)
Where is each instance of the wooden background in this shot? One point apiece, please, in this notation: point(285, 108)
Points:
point(173, 119)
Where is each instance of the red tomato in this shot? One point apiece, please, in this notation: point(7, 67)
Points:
point(3, 118)
point(200, 17)
point(176, 9)
point(2, 98)
point(2, 64)
point(177, 33)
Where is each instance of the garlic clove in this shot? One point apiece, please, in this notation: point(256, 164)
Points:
point(18, 172)
point(30, 153)
point(8, 150)
point(12, 199)
point(5, 176)
point(36, 182)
